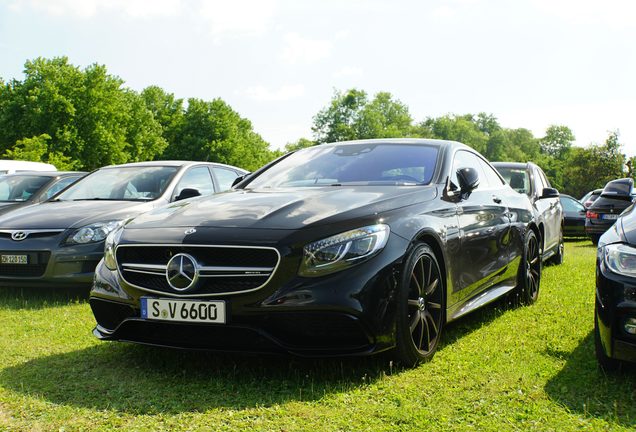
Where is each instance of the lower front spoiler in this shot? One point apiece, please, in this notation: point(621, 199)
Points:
point(220, 338)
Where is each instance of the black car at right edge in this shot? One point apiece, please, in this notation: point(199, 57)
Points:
point(615, 306)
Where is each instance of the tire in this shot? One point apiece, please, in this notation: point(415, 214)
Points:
point(595, 239)
point(559, 256)
point(420, 312)
point(529, 275)
point(606, 363)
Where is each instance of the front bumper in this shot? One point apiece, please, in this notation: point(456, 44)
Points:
point(50, 265)
point(615, 302)
point(351, 312)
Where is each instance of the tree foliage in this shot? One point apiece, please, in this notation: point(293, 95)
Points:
point(86, 119)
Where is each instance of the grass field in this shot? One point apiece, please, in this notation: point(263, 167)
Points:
point(499, 369)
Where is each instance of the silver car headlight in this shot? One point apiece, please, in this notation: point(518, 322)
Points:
point(109, 248)
point(343, 250)
point(621, 259)
point(92, 233)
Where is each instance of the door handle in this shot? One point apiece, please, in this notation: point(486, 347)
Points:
point(496, 199)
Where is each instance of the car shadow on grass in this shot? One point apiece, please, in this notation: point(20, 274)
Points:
point(582, 387)
point(147, 380)
point(41, 297)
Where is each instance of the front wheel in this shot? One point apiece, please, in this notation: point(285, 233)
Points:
point(529, 276)
point(420, 307)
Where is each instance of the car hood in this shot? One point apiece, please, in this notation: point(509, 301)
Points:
point(71, 214)
point(283, 209)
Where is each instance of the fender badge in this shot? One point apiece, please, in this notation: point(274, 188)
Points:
point(190, 231)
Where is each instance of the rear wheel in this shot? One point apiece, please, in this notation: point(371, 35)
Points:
point(595, 239)
point(558, 257)
point(420, 307)
point(529, 276)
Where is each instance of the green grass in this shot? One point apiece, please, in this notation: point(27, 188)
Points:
point(499, 369)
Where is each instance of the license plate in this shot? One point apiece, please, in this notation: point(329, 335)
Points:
point(609, 216)
point(199, 311)
point(14, 259)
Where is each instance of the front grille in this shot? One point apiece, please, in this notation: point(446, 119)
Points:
point(221, 269)
point(36, 266)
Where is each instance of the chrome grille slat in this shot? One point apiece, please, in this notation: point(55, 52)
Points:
point(148, 260)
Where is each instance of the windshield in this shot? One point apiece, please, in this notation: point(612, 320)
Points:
point(358, 164)
point(121, 183)
point(20, 188)
point(517, 178)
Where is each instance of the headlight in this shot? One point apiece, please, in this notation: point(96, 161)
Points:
point(621, 259)
point(109, 248)
point(343, 250)
point(92, 233)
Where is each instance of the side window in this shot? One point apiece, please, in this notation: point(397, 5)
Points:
point(493, 179)
point(544, 178)
point(196, 178)
point(61, 184)
point(224, 177)
point(570, 205)
point(538, 183)
point(465, 159)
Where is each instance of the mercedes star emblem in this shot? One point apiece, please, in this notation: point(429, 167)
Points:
point(182, 272)
point(19, 235)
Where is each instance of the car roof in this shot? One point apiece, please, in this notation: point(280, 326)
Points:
point(45, 173)
point(520, 165)
point(171, 163)
point(397, 141)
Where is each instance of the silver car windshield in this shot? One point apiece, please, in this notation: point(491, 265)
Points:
point(20, 188)
point(352, 164)
point(121, 184)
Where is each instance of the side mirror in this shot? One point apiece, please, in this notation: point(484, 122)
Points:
point(187, 193)
point(549, 193)
point(468, 179)
point(240, 179)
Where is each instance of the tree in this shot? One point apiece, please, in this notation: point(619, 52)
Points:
point(300, 144)
point(91, 118)
point(337, 121)
point(557, 141)
point(213, 131)
point(36, 149)
point(457, 128)
point(350, 115)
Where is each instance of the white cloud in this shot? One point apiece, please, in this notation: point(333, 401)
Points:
point(237, 17)
point(302, 50)
point(90, 8)
point(264, 94)
point(614, 13)
point(348, 71)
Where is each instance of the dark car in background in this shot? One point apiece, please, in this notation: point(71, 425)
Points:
point(27, 188)
point(573, 216)
point(339, 249)
point(615, 305)
point(616, 196)
point(590, 197)
point(59, 242)
point(529, 179)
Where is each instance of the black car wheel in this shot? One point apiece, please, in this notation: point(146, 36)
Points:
point(558, 257)
point(595, 239)
point(606, 363)
point(420, 309)
point(529, 276)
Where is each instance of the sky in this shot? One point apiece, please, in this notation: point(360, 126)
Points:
point(530, 63)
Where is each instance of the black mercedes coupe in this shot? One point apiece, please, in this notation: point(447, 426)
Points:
point(615, 306)
point(339, 249)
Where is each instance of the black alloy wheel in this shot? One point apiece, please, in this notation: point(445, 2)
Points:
point(529, 277)
point(420, 309)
